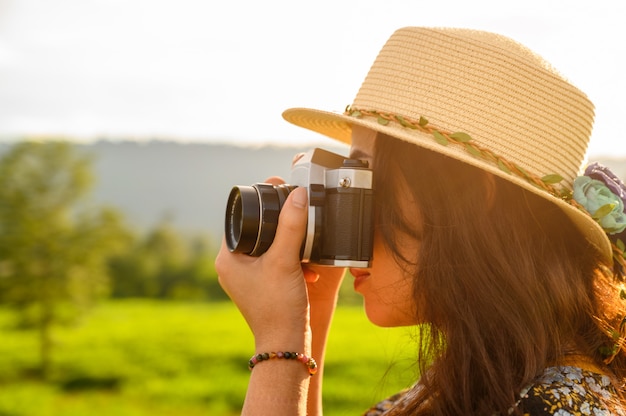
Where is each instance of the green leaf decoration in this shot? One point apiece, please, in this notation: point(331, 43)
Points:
point(608, 351)
point(423, 122)
point(523, 171)
point(405, 123)
point(356, 113)
point(441, 139)
point(462, 137)
point(474, 151)
point(382, 120)
point(620, 244)
point(566, 194)
point(552, 179)
point(603, 211)
point(503, 167)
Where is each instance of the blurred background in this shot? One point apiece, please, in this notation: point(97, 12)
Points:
point(123, 126)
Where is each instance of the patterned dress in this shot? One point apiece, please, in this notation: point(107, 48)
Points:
point(560, 391)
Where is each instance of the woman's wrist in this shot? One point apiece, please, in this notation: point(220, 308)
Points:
point(298, 340)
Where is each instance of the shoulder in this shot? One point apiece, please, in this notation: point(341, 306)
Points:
point(568, 391)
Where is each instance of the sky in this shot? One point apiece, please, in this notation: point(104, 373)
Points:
point(223, 71)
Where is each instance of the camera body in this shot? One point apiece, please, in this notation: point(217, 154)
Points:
point(340, 213)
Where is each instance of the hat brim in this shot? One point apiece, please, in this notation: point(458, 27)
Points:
point(339, 127)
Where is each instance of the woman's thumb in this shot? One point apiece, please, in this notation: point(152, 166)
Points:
point(291, 225)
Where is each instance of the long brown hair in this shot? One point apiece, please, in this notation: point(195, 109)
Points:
point(505, 283)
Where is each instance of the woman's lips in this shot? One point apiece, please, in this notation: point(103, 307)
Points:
point(360, 275)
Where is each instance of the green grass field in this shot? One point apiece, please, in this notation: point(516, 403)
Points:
point(139, 358)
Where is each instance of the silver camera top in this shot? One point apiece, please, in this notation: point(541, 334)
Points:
point(318, 166)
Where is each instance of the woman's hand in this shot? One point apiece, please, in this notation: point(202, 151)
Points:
point(270, 290)
point(288, 306)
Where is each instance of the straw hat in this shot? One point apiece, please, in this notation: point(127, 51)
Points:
point(482, 99)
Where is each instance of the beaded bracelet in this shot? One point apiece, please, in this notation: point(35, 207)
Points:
point(309, 362)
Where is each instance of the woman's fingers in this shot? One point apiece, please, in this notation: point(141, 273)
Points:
point(310, 276)
point(275, 180)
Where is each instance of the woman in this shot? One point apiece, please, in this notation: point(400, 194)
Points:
point(483, 234)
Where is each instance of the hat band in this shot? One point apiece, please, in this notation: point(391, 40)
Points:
point(443, 137)
point(549, 183)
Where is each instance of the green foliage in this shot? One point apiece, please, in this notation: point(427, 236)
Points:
point(166, 265)
point(53, 246)
point(140, 358)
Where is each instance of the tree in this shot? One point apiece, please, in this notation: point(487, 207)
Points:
point(53, 244)
point(166, 264)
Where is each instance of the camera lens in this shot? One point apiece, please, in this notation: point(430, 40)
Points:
point(252, 216)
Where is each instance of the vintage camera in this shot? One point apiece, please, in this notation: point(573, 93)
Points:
point(340, 222)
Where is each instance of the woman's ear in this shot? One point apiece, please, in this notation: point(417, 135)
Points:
point(489, 181)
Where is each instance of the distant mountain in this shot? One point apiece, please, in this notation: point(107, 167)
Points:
point(188, 184)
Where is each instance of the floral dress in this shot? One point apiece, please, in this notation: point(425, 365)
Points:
point(560, 391)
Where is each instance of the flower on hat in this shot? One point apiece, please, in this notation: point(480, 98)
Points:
point(603, 196)
point(604, 174)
